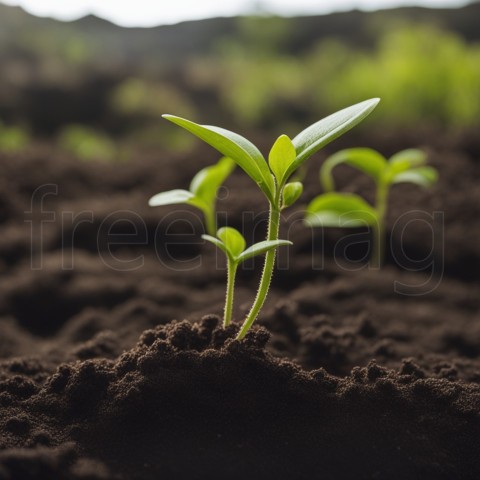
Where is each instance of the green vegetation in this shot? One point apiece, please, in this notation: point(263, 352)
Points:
point(87, 143)
point(349, 210)
point(139, 103)
point(138, 97)
point(285, 158)
point(264, 73)
point(13, 138)
point(202, 192)
point(422, 73)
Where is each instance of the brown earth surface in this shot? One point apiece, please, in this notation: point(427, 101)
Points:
point(101, 377)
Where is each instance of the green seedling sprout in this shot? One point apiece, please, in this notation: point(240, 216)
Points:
point(202, 192)
point(285, 158)
point(231, 242)
point(334, 209)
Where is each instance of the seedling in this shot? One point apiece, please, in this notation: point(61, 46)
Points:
point(349, 210)
point(232, 243)
point(286, 156)
point(202, 192)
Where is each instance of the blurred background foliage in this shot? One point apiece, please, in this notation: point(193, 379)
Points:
point(98, 90)
point(87, 143)
point(13, 138)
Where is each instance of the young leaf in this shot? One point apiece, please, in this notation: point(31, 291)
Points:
point(403, 161)
point(423, 176)
point(324, 131)
point(412, 156)
point(206, 182)
point(281, 156)
point(262, 247)
point(218, 243)
point(171, 198)
point(340, 210)
point(202, 193)
point(232, 145)
point(233, 241)
point(364, 159)
point(291, 193)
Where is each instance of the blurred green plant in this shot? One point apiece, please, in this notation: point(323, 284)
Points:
point(77, 51)
point(348, 210)
point(143, 98)
point(140, 104)
point(422, 72)
point(13, 138)
point(87, 144)
point(264, 73)
point(252, 78)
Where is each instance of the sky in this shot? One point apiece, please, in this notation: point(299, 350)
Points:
point(144, 13)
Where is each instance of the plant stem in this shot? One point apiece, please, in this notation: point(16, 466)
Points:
point(378, 250)
point(210, 221)
point(273, 229)
point(231, 272)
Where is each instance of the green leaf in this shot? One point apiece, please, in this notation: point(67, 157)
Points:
point(366, 160)
point(218, 243)
point(260, 248)
point(232, 145)
point(171, 198)
point(403, 161)
point(423, 176)
point(412, 156)
point(291, 193)
point(207, 181)
point(281, 156)
point(174, 197)
point(233, 241)
point(340, 210)
point(324, 131)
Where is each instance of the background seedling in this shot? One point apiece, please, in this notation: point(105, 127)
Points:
point(232, 243)
point(286, 156)
point(349, 210)
point(202, 192)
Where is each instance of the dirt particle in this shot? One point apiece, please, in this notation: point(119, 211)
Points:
point(18, 425)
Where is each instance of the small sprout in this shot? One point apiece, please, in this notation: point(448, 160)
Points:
point(349, 210)
point(291, 193)
point(285, 158)
point(202, 192)
point(232, 243)
point(281, 157)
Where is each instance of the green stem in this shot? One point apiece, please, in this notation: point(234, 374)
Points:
point(231, 272)
point(378, 250)
point(210, 221)
point(273, 230)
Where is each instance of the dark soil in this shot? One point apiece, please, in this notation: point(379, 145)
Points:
point(114, 366)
